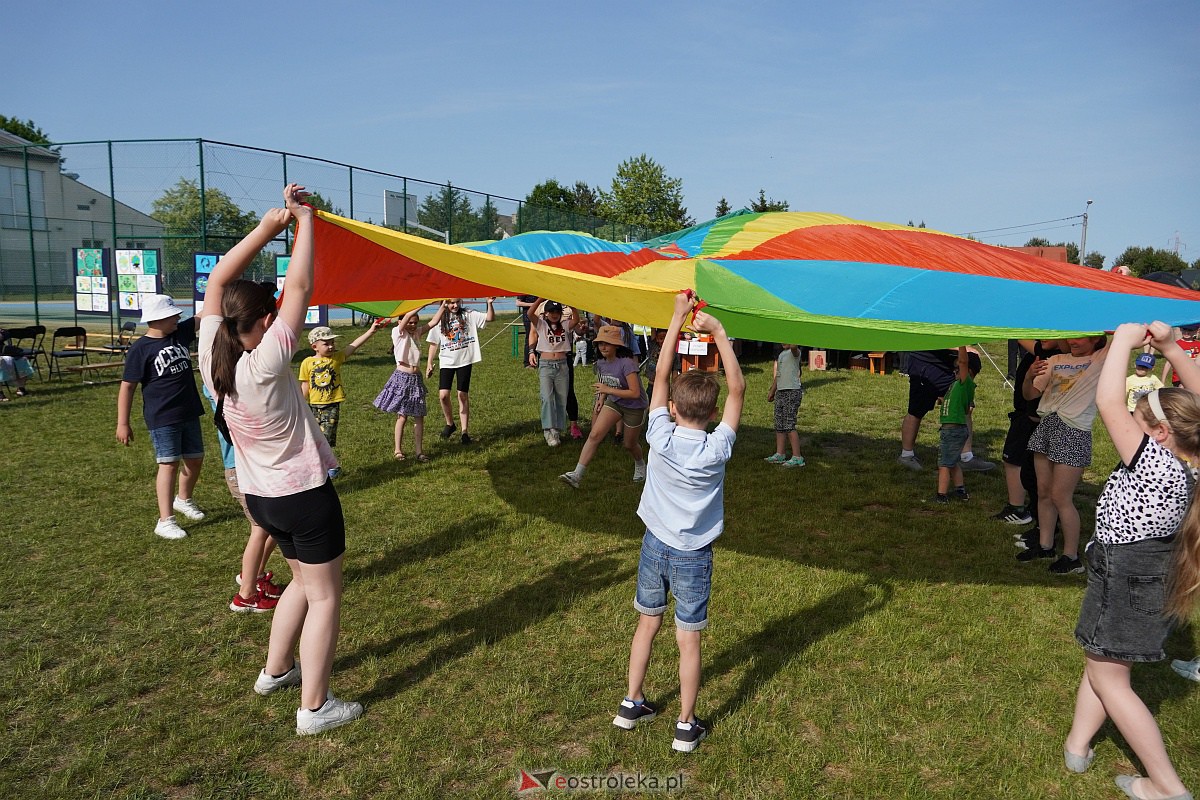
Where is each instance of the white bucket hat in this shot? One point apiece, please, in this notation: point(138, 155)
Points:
point(159, 306)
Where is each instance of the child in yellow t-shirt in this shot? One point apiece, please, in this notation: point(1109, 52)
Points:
point(1143, 381)
point(321, 378)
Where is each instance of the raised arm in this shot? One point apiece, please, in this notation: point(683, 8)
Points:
point(361, 340)
point(734, 380)
point(962, 368)
point(298, 285)
point(436, 319)
point(666, 356)
point(491, 312)
point(1124, 431)
point(1162, 336)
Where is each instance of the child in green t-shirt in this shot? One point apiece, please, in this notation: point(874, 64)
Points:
point(956, 406)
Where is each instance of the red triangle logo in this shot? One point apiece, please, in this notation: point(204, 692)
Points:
point(528, 783)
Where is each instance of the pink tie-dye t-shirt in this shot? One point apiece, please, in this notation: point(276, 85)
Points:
point(278, 446)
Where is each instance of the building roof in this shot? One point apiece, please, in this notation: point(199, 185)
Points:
point(35, 151)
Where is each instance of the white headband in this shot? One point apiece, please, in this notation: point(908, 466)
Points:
point(1156, 407)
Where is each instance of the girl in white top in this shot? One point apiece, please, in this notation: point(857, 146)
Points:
point(550, 327)
point(246, 347)
point(456, 343)
point(404, 393)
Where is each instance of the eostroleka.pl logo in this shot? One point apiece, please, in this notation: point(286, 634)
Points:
point(551, 780)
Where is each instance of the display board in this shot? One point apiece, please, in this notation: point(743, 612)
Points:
point(317, 315)
point(138, 277)
point(92, 289)
point(203, 265)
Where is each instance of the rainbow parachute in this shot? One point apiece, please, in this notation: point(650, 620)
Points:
point(804, 278)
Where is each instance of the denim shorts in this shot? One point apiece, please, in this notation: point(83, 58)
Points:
point(181, 440)
point(1122, 615)
point(686, 574)
point(950, 444)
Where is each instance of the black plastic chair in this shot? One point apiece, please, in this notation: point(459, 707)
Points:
point(124, 339)
point(74, 346)
point(31, 341)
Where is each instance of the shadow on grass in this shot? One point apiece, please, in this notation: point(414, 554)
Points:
point(469, 531)
point(852, 508)
point(510, 613)
point(784, 639)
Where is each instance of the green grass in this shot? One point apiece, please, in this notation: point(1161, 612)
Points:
point(862, 644)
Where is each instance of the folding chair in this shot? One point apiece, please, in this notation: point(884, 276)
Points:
point(74, 346)
point(124, 339)
point(35, 335)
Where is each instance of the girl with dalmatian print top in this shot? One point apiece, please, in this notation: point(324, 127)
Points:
point(1144, 560)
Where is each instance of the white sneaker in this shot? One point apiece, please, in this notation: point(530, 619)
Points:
point(639, 473)
point(169, 529)
point(1187, 669)
point(570, 479)
point(333, 714)
point(188, 508)
point(267, 684)
point(555, 438)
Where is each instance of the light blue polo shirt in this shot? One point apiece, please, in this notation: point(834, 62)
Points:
point(683, 502)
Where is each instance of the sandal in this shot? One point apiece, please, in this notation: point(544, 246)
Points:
point(399, 456)
point(422, 458)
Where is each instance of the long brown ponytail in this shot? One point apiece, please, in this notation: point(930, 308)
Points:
point(242, 305)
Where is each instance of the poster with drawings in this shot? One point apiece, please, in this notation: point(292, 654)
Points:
point(91, 280)
point(138, 277)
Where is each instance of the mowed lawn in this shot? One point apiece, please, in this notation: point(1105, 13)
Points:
point(862, 643)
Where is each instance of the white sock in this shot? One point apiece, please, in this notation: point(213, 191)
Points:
point(906, 453)
point(579, 470)
point(967, 456)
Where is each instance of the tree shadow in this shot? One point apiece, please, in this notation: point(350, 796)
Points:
point(515, 610)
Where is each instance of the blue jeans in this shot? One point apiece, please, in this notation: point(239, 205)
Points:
point(686, 574)
point(552, 380)
point(178, 441)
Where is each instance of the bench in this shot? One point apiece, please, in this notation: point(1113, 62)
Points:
point(83, 369)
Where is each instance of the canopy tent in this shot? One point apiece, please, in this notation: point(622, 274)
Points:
point(804, 278)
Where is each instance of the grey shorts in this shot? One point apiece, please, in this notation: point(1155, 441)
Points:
point(1122, 614)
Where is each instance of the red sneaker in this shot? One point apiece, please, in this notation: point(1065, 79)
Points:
point(264, 585)
point(576, 433)
point(257, 604)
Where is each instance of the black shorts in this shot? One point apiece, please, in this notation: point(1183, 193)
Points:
point(308, 526)
point(446, 378)
point(1016, 443)
point(923, 395)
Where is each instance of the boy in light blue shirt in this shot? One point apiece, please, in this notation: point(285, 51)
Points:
point(683, 508)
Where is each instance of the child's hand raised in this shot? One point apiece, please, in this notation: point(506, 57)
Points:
point(275, 220)
point(706, 323)
point(1161, 335)
point(1130, 335)
point(293, 197)
point(684, 301)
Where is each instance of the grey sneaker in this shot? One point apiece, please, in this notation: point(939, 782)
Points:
point(688, 735)
point(570, 479)
point(333, 714)
point(267, 683)
point(639, 473)
point(188, 508)
point(1187, 669)
point(169, 529)
point(977, 464)
point(1078, 764)
point(912, 462)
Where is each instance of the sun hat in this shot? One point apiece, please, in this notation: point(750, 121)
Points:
point(610, 334)
point(1145, 360)
point(159, 306)
point(321, 334)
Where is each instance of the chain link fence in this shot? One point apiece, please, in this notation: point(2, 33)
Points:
point(188, 196)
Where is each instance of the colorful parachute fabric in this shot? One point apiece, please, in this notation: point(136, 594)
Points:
point(805, 278)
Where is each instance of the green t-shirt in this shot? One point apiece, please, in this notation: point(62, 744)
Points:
point(960, 398)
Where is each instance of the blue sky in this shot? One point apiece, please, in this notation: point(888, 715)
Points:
point(969, 116)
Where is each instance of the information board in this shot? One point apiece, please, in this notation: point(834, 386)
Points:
point(138, 277)
point(91, 281)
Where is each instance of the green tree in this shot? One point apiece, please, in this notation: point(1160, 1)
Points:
point(552, 206)
point(319, 201)
point(30, 132)
point(644, 196)
point(723, 208)
point(1144, 260)
point(221, 225)
point(449, 210)
point(1095, 260)
point(585, 200)
point(488, 221)
point(763, 204)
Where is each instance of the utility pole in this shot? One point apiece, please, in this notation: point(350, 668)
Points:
point(1083, 242)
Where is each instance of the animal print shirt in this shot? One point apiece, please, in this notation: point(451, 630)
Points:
point(1145, 499)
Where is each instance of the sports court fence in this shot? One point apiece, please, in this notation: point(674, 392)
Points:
point(188, 196)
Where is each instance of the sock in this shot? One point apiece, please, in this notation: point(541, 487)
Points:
point(579, 470)
point(967, 456)
point(906, 453)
